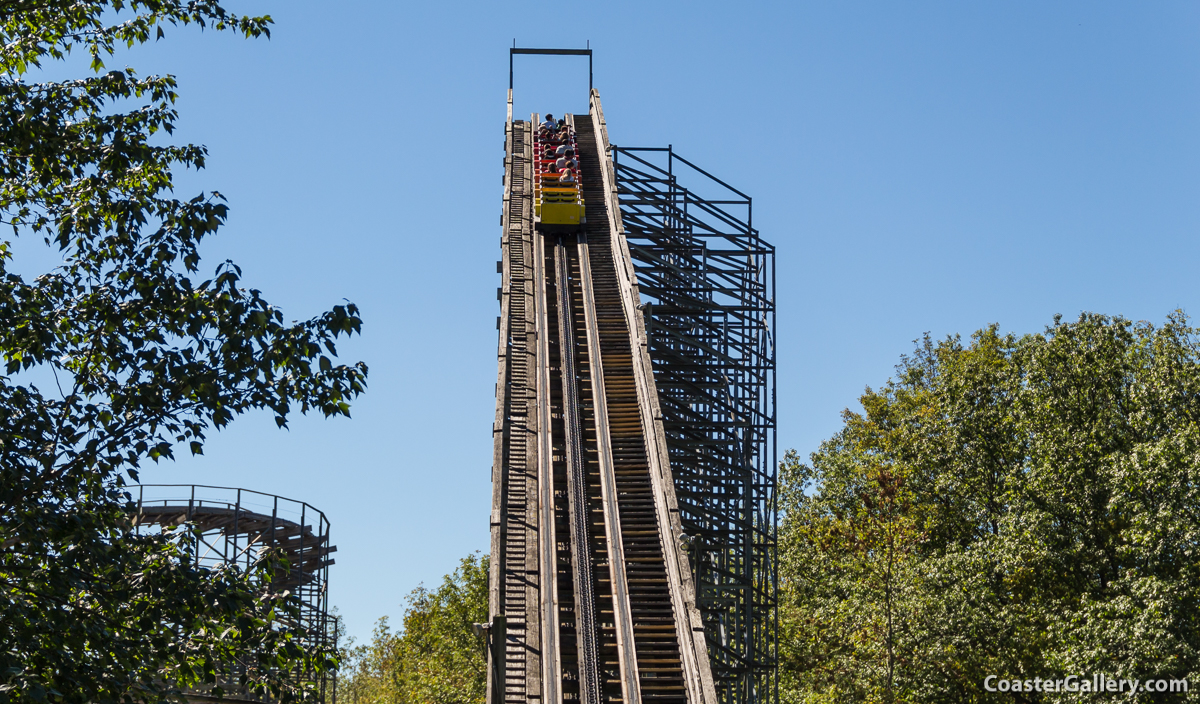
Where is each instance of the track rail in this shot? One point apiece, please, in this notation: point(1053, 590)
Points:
point(583, 583)
point(618, 574)
point(659, 670)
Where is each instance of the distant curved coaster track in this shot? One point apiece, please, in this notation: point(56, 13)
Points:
point(232, 527)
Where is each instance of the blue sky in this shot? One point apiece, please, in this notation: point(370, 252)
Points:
point(919, 166)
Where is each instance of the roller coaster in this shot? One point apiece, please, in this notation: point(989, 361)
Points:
point(230, 528)
point(633, 510)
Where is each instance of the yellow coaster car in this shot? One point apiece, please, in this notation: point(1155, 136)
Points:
point(558, 206)
point(556, 203)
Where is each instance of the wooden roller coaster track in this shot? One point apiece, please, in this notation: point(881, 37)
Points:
point(592, 598)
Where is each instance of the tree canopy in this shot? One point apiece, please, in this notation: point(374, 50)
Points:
point(1018, 506)
point(123, 354)
point(436, 658)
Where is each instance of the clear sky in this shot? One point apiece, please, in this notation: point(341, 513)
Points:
point(919, 166)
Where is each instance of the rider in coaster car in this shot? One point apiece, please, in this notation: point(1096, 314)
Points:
point(567, 160)
point(566, 177)
point(550, 125)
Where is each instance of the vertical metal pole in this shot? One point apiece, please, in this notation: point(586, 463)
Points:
point(299, 567)
point(774, 470)
point(237, 514)
point(683, 224)
point(325, 572)
point(195, 538)
point(673, 209)
point(499, 637)
point(274, 514)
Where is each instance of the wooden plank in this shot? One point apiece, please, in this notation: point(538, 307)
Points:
point(496, 561)
point(693, 649)
point(622, 613)
point(533, 614)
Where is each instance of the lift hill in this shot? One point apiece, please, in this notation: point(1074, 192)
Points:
point(633, 516)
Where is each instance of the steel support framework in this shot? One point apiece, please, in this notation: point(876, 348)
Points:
point(708, 297)
point(230, 528)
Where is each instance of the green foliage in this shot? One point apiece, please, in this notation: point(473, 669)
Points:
point(117, 356)
point(1020, 507)
point(436, 658)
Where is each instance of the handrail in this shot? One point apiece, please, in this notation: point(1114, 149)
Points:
point(304, 504)
point(675, 155)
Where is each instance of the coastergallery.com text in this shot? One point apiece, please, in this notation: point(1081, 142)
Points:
point(1082, 683)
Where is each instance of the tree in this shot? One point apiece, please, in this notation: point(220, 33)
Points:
point(436, 658)
point(1025, 507)
point(119, 356)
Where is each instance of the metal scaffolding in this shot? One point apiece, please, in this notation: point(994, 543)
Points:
point(707, 282)
point(231, 528)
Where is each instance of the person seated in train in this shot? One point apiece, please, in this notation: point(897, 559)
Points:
point(567, 160)
point(566, 177)
point(550, 124)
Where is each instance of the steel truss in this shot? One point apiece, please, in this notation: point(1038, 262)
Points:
point(230, 528)
point(707, 282)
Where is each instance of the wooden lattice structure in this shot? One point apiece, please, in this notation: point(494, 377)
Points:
point(233, 527)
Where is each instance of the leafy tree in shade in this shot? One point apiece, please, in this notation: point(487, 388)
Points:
point(1026, 507)
point(123, 354)
point(436, 658)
